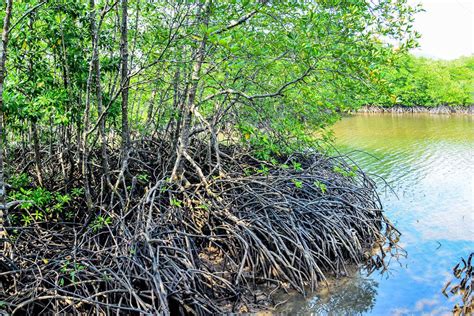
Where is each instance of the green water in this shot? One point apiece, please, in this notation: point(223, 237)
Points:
point(428, 160)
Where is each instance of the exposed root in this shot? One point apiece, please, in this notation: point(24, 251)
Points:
point(197, 247)
point(441, 109)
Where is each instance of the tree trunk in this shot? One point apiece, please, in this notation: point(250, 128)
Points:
point(3, 57)
point(183, 141)
point(124, 78)
point(98, 90)
point(34, 126)
point(36, 147)
point(83, 143)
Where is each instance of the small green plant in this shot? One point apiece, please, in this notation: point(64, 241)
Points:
point(203, 207)
point(38, 215)
point(263, 170)
point(71, 270)
point(297, 183)
point(352, 173)
point(23, 195)
point(41, 197)
point(175, 202)
point(63, 198)
point(39, 204)
point(297, 166)
point(64, 267)
point(248, 171)
point(143, 177)
point(26, 219)
point(77, 192)
point(61, 201)
point(100, 222)
point(163, 188)
point(339, 170)
point(68, 215)
point(321, 186)
point(77, 268)
point(12, 218)
point(19, 181)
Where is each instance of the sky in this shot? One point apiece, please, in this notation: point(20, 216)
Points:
point(447, 28)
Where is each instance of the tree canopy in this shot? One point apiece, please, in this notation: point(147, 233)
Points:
point(259, 68)
point(418, 81)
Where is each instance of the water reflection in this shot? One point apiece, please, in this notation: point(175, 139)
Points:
point(429, 162)
point(347, 296)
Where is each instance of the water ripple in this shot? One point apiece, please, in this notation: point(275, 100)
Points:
point(429, 162)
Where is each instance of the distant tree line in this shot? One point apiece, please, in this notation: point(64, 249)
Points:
point(418, 81)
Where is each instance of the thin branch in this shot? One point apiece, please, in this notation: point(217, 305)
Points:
point(277, 93)
point(26, 14)
point(236, 23)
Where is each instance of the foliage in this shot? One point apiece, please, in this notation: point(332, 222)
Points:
point(417, 81)
point(322, 186)
point(288, 68)
point(39, 204)
point(100, 222)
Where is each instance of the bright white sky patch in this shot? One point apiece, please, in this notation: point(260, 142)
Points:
point(447, 28)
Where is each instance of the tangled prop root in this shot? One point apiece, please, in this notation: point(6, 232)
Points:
point(195, 248)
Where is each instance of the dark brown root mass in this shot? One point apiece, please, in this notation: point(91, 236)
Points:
point(194, 247)
point(400, 109)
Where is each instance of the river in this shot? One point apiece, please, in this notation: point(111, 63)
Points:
point(428, 160)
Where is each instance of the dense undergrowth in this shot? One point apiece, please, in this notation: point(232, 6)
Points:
point(193, 248)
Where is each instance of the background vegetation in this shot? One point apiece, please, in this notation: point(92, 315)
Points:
point(418, 81)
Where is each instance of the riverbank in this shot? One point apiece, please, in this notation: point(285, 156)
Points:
point(441, 109)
